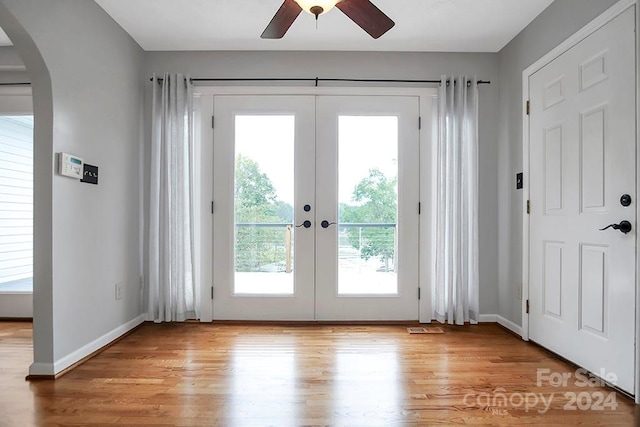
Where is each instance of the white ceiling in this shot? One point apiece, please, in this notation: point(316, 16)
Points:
point(421, 25)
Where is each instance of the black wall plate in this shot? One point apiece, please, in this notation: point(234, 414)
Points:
point(90, 174)
point(519, 181)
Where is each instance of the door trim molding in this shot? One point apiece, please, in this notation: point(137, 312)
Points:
point(603, 19)
point(593, 26)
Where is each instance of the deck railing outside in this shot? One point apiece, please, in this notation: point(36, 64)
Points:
point(286, 242)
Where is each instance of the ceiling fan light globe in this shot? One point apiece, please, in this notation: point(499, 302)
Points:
point(326, 5)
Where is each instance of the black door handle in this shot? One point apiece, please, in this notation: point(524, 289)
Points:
point(624, 227)
point(326, 224)
point(306, 224)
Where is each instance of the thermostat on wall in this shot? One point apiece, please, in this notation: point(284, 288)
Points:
point(70, 165)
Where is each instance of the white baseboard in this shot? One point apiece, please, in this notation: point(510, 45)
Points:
point(41, 369)
point(488, 318)
point(16, 304)
point(68, 360)
point(516, 329)
point(496, 318)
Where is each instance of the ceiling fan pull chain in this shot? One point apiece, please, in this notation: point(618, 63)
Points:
point(317, 11)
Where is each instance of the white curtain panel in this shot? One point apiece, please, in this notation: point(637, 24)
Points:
point(172, 291)
point(456, 273)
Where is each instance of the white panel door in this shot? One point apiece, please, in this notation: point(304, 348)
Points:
point(582, 161)
point(367, 190)
point(264, 171)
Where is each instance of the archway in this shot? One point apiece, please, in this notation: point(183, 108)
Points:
point(43, 155)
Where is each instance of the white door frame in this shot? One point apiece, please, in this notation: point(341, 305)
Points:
point(576, 38)
point(204, 153)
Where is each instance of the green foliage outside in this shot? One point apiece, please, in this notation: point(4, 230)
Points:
point(263, 248)
point(376, 202)
point(256, 202)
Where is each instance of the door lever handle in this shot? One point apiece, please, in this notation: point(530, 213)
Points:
point(306, 224)
point(326, 224)
point(624, 227)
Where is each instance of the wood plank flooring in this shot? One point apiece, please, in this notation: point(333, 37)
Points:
point(288, 375)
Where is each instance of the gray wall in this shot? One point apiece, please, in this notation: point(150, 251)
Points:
point(374, 65)
point(88, 99)
point(12, 69)
point(558, 22)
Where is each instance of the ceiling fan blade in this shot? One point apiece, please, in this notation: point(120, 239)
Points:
point(282, 20)
point(367, 16)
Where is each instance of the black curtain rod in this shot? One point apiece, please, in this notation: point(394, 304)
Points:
point(317, 80)
point(16, 84)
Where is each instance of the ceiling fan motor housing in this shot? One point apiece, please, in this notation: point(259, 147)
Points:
point(316, 10)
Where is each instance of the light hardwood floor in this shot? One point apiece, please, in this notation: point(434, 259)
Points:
point(292, 375)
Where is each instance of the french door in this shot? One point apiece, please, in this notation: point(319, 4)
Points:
point(315, 207)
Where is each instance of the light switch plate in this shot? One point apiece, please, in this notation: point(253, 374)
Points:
point(519, 181)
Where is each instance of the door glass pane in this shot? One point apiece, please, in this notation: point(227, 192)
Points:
point(263, 197)
point(368, 204)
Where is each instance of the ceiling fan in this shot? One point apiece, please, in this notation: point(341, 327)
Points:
point(362, 12)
